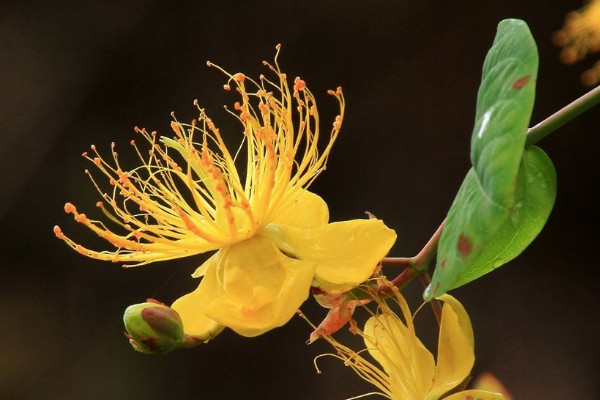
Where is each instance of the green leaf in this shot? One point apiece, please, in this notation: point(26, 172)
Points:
point(536, 192)
point(507, 196)
point(504, 104)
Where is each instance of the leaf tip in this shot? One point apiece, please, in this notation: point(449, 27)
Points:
point(431, 291)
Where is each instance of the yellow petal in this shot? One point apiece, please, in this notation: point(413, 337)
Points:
point(191, 306)
point(346, 253)
point(261, 288)
point(402, 355)
point(475, 395)
point(307, 210)
point(201, 270)
point(455, 348)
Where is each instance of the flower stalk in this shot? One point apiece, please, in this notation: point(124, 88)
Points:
point(562, 116)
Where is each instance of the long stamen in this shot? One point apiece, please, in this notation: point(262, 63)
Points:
point(187, 196)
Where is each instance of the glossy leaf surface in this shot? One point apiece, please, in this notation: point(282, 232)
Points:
point(507, 196)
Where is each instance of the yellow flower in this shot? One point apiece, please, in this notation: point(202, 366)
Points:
point(272, 236)
point(409, 369)
point(579, 37)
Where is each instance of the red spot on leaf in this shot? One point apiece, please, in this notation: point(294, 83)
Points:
point(519, 83)
point(443, 264)
point(469, 398)
point(464, 246)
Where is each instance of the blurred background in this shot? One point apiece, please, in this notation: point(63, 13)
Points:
point(76, 73)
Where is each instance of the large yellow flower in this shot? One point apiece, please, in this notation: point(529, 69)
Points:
point(272, 236)
point(409, 369)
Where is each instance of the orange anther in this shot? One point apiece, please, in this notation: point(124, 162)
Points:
point(123, 176)
point(84, 154)
point(70, 208)
point(99, 204)
point(226, 87)
point(338, 122)
point(97, 161)
point(299, 84)
point(81, 218)
point(58, 232)
point(175, 127)
point(239, 77)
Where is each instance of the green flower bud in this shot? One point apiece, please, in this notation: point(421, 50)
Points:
point(153, 327)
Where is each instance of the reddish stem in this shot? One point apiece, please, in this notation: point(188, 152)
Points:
point(416, 267)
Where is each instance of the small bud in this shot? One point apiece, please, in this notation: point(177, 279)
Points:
point(153, 328)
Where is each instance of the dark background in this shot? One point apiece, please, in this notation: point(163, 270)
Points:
point(76, 73)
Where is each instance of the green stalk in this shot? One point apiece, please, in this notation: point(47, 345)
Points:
point(562, 116)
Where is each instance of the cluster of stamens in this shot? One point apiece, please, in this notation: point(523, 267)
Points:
point(187, 197)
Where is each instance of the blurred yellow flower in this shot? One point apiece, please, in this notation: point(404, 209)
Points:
point(272, 236)
point(579, 37)
point(409, 369)
point(489, 382)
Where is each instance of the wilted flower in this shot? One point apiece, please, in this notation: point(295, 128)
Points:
point(408, 370)
point(579, 37)
point(341, 308)
point(272, 236)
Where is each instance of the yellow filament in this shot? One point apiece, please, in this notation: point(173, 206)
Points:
point(168, 210)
